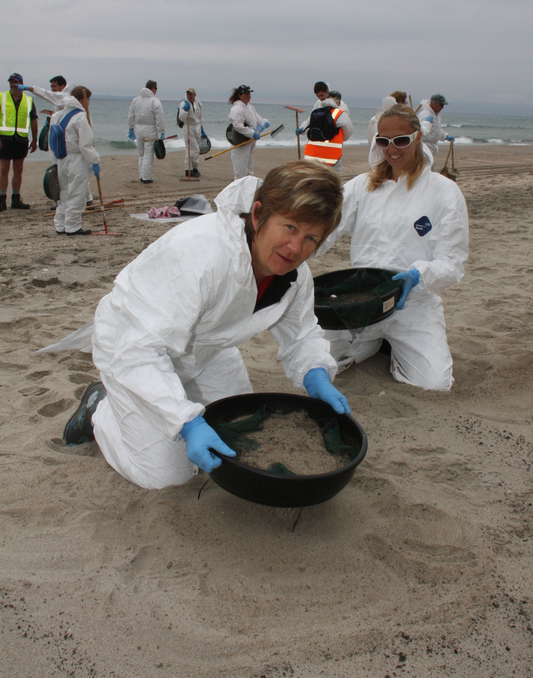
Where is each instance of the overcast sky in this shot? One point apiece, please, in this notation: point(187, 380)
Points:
point(478, 53)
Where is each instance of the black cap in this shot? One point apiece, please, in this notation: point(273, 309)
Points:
point(243, 89)
point(17, 77)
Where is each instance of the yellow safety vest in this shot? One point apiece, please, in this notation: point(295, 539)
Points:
point(12, 120)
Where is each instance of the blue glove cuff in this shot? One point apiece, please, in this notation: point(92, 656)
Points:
point(190, 425)
point(416, 276)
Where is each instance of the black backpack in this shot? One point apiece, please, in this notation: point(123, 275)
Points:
point(322, 127)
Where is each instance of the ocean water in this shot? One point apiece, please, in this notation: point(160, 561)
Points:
point(110, 124)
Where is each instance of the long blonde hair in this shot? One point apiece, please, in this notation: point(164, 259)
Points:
point(383, 171)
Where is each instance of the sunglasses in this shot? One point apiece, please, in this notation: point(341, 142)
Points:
point(400, 142)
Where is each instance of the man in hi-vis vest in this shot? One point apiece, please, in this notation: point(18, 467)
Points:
point(17, 117)
point(329, 150)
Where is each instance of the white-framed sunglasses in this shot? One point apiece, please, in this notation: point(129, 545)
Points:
point(400, 142)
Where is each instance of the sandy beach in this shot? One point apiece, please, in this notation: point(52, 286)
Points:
point(422, 566)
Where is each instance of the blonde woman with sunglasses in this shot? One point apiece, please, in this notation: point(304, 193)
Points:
point(404, 217)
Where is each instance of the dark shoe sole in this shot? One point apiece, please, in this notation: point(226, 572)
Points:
point(81, 231)
point(79, 428)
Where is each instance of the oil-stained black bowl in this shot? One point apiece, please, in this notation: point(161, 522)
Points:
point(277, 489)
point(326, 315)
point(160, 149)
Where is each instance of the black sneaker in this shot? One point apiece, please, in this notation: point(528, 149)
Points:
point(195, 173)
point(187, 173)
point(81, 231)
point(3, 205)
point(79, 428)
point(17, 204)
point(89, 203)
point(147, 181)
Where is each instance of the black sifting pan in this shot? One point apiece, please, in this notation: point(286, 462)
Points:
point(348, 309)
point(278, 489)
point(51, 183)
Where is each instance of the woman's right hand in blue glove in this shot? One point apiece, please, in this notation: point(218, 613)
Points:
point(256, 136)
point(131, 134)
point(199, 437)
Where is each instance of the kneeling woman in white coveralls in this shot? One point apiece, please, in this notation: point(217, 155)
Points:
point(165, 338)
point(404, 217)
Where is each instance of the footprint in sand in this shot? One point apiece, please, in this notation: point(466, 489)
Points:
point(58, 407)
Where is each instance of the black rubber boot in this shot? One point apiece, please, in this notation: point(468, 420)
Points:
point(17, 204)
point(79, 428)
point(3, 205)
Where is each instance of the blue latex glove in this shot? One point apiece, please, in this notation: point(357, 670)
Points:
point(257, 135)
point(131, 134)
point(299, 131)
point(22, 88)
point(266, 124)
point(96, 169)
point(410, 279)
point(199, 437)
point(449, 138)
point(430, 118)
point(204, 135)
point(162, 136)
point(186, 105)
point(318, 385)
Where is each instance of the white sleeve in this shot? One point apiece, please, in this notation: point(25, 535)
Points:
point(451, 251)
point(237, 117)
point(159, 116)
point(167, 294)
point(55, 98)
point(302, 345)
point(86, 140)
point(345, 123)
point(131, 115)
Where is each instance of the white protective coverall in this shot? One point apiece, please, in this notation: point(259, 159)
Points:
point(196, 121)
point(165, 338)
point(147, 119)
point(432, 132)
point(424, 228)
point(57, 99)
point(245, 120)
point(74, 171)
point(375, 156)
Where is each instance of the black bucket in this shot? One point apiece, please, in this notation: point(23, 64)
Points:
point(329, 319)
point(279, 489)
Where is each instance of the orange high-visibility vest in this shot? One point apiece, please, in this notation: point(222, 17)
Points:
point(328, 152)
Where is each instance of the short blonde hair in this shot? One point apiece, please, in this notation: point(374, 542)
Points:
point(305, 191)
point(383, 171)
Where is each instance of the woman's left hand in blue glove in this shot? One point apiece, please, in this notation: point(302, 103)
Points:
point(318, 385)
point(410, 279)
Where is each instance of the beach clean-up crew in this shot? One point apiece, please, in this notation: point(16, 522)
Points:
point(17, 117)
point(59, 89)
point(146, 120)
point(431, 124)
point(328, 128)
point(403, 217)
point(321, 90)
point(190, 119)
point(165, 339)
point(79, 159)
point(246, 121)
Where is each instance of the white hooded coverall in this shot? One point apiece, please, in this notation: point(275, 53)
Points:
point(245, 120)
point(57, 99)
point(194, 129)
point(165, 339)
point(74, 171)
point(432, 132)
point(147, 119)
point(424, 228)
